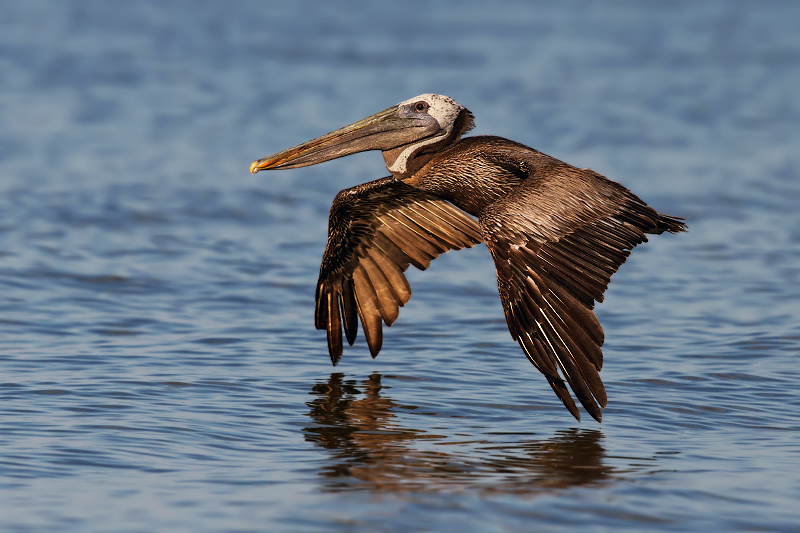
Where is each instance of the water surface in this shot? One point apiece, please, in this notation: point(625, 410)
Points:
point(160, 368)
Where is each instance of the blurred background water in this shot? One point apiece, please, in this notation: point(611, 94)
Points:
point(160, 368)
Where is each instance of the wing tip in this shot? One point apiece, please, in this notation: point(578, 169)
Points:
point(669, 224)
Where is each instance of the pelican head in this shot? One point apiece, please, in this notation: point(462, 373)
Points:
point(408, 134)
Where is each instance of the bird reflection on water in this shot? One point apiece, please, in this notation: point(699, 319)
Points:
point(373, 452)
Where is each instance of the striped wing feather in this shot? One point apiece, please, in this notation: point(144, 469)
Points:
point(375, 231)
point(556, 243)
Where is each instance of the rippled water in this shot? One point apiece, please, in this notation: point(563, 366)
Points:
point(160, 368)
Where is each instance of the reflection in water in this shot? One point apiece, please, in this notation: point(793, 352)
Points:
point(372, 452)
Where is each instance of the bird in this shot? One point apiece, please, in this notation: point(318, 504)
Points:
point(556, 233)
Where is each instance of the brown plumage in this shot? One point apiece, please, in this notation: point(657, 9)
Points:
point(556, 233)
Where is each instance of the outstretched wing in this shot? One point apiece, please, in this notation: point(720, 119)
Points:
point(375, 231)
point(556, 241)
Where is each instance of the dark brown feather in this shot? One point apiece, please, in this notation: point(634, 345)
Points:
point(349, 310)
point(375, 231)
point(556, 240)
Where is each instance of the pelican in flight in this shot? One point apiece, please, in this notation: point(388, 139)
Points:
point(556, 233)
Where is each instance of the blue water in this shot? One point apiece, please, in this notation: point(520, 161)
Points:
point(159, 368)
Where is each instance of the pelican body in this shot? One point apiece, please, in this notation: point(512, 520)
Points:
point(556, 233)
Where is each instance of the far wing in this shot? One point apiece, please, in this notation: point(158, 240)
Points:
point(556, 242)
point(375, 231)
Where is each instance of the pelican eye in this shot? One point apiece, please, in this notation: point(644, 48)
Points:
point(421, 107)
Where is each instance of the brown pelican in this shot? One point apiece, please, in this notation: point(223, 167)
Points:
point(556, 233)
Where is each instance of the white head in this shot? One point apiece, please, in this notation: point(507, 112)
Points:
point(443, 109)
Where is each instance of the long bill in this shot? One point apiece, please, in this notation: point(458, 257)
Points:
point(382, 131)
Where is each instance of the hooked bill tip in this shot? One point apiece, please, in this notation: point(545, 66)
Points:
point(254, 167)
